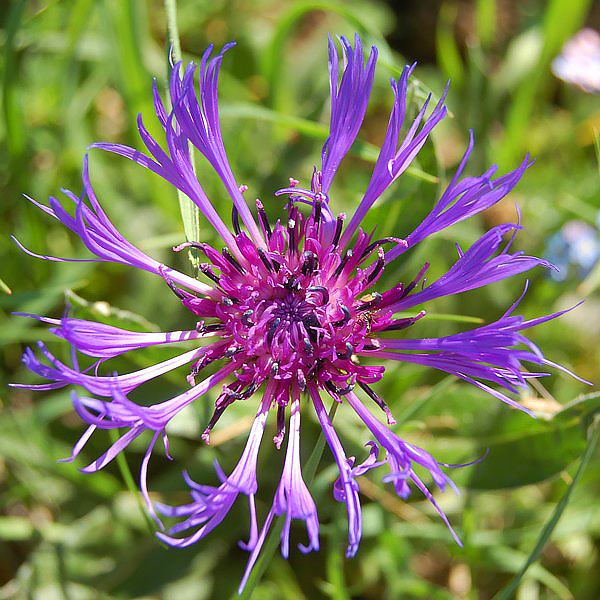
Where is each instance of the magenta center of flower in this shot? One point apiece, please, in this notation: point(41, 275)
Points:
point(298, 308)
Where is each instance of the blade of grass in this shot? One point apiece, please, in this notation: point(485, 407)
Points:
point(560, 20)
point(130, 482)
point(15, 131)
point(189, 211)
point(508, 592)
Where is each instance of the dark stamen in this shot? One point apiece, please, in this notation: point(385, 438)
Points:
point(309, 264)
point(369, 301)
point(262, 215)
point(272, 329)
point(311, 322)
point(181, 294)
point(235, 220)
point(347, 354)
point(370, 347)
point(338, 229)
point(343, 262)
point(318, 206)
point(403, 323)
point(265, 260)
point(232, 351)
point(223, 401)
point(227, 301)
point(246, 317)
point(411, 286)
point(233, 261)
point(339, 391)
point(291, 236)
point(346, 390)
point(378, 401)
point(375, 244)
point(205, 268)
point(274, 369)
point(377, 268)
point(308, 347)
point(247, 392)
point(301, 380)
point(276, 265)
point(214, 327)
point(320, 290)
point(291, 283)
point(344, 319)
point(280, 426)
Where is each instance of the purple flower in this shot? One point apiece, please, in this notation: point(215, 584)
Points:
point(290, 310)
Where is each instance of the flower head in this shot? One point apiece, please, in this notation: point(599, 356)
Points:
point(291, 311)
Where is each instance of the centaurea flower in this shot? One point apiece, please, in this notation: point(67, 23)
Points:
point(291, 310)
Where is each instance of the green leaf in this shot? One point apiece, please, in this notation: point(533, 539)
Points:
point(509, 590)
point(527, 452)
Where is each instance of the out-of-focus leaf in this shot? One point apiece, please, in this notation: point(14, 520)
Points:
point(523, 454)
point(509, 590)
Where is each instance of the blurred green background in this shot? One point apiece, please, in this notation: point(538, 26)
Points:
point(78, 71)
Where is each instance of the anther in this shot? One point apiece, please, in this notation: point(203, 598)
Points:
point(263, 256)
point(379, 402)
point(403, 323)
point(377, 268)
point(301, 379)
point(291, 226)
point(291, 283)
point(179, 293)
point(227, 301)
point(311, 322)
point(272, 329)
point(309, 264)
point(246, 317)
point(411, 286)
point(318, 207)
point(370, 300)
point(214, 327)
point(278, 439)
point(308, 347)
point(247, 392)
point(344, 319)
point(262, 215)
point(343, 262)
point(274, 369)
point(205, 268)
point(338, 229)
point(235, 220)
point(320, 290)
point(232, 351)
point(386, 240)
point(348, 353)
point(233, 261)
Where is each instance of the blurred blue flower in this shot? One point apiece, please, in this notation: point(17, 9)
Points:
point(573, 250)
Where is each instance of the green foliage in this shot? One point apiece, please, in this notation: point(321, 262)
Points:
point(77, 72)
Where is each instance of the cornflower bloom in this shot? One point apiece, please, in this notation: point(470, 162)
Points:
point(291, 309)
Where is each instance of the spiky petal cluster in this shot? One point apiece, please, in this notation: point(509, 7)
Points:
point(290, 308)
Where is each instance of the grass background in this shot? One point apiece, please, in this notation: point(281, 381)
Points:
point(78, 71)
